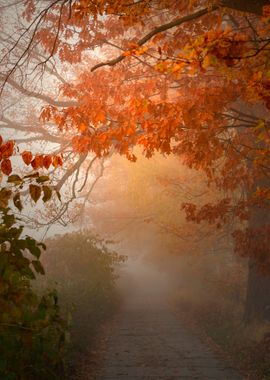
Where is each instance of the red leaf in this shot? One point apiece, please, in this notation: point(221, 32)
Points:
point(27, 157)
point(7, 149)
point(37, 162)
point(57, 161)
point(6, 166)
point(47, 160)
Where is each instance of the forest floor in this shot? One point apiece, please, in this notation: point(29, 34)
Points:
point(148, 341)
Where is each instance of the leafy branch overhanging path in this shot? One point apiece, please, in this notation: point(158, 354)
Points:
point(154, 32)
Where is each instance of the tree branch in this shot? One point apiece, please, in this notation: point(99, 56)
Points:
point(249, 6)
point(36, 95)
point(71, 170)
point(159, 29)
point(36, 55)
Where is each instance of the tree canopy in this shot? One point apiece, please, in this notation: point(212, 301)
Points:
point(189, 78)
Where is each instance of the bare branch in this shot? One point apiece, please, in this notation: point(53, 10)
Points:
point(87, 173)
point(36, 95)
point(71, 170)
point(36, 22)
point(36, 55)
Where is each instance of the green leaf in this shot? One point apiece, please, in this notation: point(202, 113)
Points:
point(33, 175)
point(14, 178)
point(47, 191)
point(9, 220)
point(17, 201)
point(41, 312)
point(42, 245)
point(10, 376)
point(35, 192)
point(33, 247)
point(42, 179)
point(3, 364)
point(38, 266)
point(27, 272)
point(21, 244)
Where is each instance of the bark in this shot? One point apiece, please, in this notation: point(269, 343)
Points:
point(257, 303)
point(258, 295)
point(258, 287)
point(250, 6)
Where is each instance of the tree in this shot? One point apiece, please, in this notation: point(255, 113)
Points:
point(192, 79)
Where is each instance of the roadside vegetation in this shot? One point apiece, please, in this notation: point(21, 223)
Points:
point(38, 313)
point(211, 298)
point(33, 331)
point(86, 286)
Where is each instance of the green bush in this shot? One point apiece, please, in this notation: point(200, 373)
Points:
point(82, 268)
point(33, 326)
point(32, 331)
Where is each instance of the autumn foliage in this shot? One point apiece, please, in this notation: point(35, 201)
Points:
point(189, 78)
point(6, 151)
point(204, 96)
point(186, 78)
point(16, 183)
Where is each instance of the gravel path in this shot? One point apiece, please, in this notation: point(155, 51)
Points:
point(149, 342)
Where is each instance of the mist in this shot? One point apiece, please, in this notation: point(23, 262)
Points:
point(135, 191)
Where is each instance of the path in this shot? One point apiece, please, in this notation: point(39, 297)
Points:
point(148, 342)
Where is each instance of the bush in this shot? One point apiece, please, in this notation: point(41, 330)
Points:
point(82, 268)
point(32, 330)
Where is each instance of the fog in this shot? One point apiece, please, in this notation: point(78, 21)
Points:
point(134, 200)
point(136, 208)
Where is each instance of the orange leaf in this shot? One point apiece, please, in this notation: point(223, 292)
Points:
point(57, 161)
point(6, 166)
point(37, 162)
point(7, 149)
point(100, 116)
point(82, 127)
point(27, 157)
point(133, 45)
point(127, 53)
point(47, 160)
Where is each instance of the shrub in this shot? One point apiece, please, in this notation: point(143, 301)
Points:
point(32, 331)
point(82, 268)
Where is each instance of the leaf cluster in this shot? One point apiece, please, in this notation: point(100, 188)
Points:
point(33, 332)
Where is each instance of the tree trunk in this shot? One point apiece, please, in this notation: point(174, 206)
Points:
point(258, 295)
point(258, 286)
point(250, 6)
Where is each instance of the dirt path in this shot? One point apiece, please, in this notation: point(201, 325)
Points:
point(149, 342)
